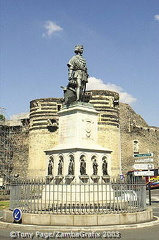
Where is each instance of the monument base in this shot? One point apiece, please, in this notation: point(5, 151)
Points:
point(95, 178)
point(82, 193)
point(106, 178)
point(82, 220)
point(78, 141)
point(49, 178)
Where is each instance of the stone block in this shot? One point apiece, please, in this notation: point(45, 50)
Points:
point(108, 219)
point(40, 219)
point(143, 216)
point(127, 218)
point(27, 218)
point(85, 220)
point(7, 216)
point(61, 220)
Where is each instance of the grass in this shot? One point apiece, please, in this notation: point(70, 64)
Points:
point(4, 204)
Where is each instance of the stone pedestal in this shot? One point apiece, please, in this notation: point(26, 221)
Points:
point(84, 178)
point(95, 178)
point(69, 179)
point(58, 179)
point(78, 138)
point(78, 125)
point(49, 178)
point(106, 178)
point(77, 157)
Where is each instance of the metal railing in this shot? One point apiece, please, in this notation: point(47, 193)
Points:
point(39, 196)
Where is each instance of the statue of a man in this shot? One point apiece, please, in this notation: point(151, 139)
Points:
point(77, 73)
point(83, 166)
point(50, 167)
point(95, 167)
point(104, 167)
point(71, 166)
point(60, 167)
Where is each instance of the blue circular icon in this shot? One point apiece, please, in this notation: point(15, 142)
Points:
point(121, 177)
point(17, 214)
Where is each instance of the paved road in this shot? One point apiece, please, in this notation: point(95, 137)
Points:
point(146, 233)
point(154, 201)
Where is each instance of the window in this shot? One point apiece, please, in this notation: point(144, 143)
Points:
point(136, 146)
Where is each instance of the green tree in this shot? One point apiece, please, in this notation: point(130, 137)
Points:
point(2, 117)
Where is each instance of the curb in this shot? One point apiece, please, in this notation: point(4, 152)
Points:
point(12, 226)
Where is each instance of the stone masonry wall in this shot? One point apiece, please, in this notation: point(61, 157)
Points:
point(20, 153)
point(134, 128)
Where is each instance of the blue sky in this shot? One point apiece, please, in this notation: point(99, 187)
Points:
point(121, 47)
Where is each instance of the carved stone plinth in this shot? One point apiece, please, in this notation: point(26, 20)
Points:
point(69, 178)
point(49, 178)
point(78, 152)
point(84, 178)
point(58, 179)
point(95, 178)
point(106, 178)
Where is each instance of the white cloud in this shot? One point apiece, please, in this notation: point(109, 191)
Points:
point(51, 28)
point(98, 84)
point(156, 17)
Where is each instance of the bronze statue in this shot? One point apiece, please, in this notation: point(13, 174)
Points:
point(77, 75)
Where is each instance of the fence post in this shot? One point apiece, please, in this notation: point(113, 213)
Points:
point(14, 195)
point(143, 197)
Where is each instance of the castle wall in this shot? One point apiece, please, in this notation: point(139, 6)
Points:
point(14, 145)
point(20, 153)
point(135, 129)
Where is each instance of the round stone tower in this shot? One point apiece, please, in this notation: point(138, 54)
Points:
point(107, 104)
point(43, 132)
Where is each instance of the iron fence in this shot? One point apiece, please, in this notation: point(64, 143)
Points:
point(41, 196)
